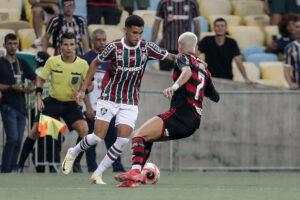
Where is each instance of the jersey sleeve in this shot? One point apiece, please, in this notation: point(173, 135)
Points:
point(108, 53)
point(287, 58)
point(182, 61)
point(155, 52)
point(46, 70)
point(53, 22)
point(210, 91)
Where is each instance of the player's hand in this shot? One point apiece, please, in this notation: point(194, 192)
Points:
point(79, 96)
point(294, 86)
point(249, 82)
point(169, 92)
point(40, 104)
point(28, 90)
point(18, 87)
point(90, 113)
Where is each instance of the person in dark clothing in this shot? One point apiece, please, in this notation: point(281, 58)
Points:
point(219, 52)
point(13, 108)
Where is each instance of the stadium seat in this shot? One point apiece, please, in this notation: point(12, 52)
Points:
point(273, 71)
point(232, 20)
point(245, 8)
point(112, 32)
point(204, 34)
point(14, 25)
point(247, 36)
point(153, 5)
point(147, 15)
point(26, 36)
point(215, 7)
point(257, 58)
point(252, 71)
point(257, 20)
point(271, 31)
point(28, 14)
point(124, 15)
point(9, 14)
point(204, 27)
point(252, 50)
point(3, 33)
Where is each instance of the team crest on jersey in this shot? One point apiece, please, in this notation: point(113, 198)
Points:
point(74, 80)
point(103, 111)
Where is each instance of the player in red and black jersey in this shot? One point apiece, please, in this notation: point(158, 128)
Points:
point(192, 82)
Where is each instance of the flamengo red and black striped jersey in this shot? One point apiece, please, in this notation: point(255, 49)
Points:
point(121, 82)
point(198, 86)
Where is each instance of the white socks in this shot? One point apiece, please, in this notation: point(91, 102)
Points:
point(84, 144)
point(112, 154)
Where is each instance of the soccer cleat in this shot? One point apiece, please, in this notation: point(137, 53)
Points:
point(131, 184)
point(131, 175)
point(97, 179)
point(67, 164)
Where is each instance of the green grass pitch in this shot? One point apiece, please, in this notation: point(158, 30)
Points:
point(173, 186)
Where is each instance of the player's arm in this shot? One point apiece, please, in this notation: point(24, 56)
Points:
point(287, 74)
point(87, 81)
point(39, 90)
point(155, 29)
point(45, 41)
point(211, 92)
point(185, 75)
point(85, 43)
point(240, 65)
point(171, 57)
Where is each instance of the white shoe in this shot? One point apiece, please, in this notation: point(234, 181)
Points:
point(67, 164)
point(97, 179)
point(37, 42)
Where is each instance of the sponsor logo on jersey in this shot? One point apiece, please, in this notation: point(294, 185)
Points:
point(103, 111)
point(130, 69)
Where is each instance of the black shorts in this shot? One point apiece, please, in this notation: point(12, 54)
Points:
point(69, 111)
point(179, 123)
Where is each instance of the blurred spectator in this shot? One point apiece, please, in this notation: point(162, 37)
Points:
point(219, 52)
point(129, 5)
point(13, 108)
point(67, 22)
point(292, 60)
point(177, 17)
point(108, 9)
point(277, 8)
point(286, 30)
point(42, 11)
point(99, 42)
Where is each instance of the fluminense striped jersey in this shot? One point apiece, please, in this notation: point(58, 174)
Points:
point(121, 83)
point(177, 16)
point(198, 86)
point(292, 59)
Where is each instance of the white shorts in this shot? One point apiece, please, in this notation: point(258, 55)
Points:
point(125, 114)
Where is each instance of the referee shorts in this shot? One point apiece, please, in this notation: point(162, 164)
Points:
point(69, 111)
point(179, 123)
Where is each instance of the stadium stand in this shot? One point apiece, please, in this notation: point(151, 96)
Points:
point(247, 51)
point(28, 15)
point(26, 36)
point(153, 4)
point(244, 35)
point(3, 33)
point(124, 15)
point(147, 15)
point(14, 25)
point(271, 31)
point(215, 7)
point(257, 20)
point(273, 71)
point(246, 7)
point(113, 32)
point(257, 58)
point(252, 71)
point(204, 34)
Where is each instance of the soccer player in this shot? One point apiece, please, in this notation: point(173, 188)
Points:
point(120, 92)
point(192, 83)
point(67, 72)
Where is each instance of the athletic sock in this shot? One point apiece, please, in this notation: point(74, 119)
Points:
point(148, 148)
point(27, 147)
point(85, 143)
point(78, 158)
point(138, 152)
point(112, 154)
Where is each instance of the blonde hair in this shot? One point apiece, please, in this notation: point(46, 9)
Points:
point(188, 41)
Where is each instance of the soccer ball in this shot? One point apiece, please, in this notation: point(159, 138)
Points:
point(150, 173)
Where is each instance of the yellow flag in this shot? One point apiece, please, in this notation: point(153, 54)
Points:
point(50, 126)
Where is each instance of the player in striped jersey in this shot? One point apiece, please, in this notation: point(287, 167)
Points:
point(120, 92)
point(192, 83)
point(292, 60)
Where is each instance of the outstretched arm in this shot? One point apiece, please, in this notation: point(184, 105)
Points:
point(211, 92)
point(182, 79)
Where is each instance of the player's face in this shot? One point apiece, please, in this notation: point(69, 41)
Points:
point(68, 7)
point(99, 41)
point(68, 47)
point(11, 46)
point(133, 34)
point(297, 30)
point(220, 28)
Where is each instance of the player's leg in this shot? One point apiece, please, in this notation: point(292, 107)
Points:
point(148, 132)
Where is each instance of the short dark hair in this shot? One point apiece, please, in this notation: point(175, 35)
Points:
point(134, 20)
point(67, 35)
point(63, 1)
point(10, 36)
point(220, 19)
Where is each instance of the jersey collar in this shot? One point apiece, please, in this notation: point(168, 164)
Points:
point(129, 47)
